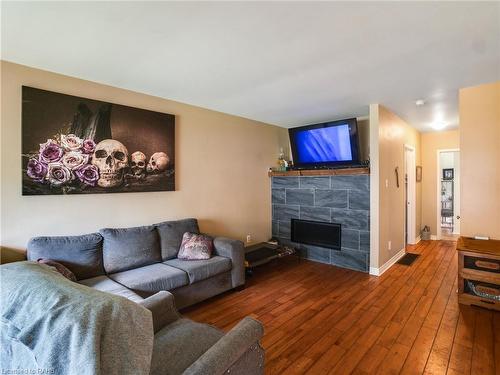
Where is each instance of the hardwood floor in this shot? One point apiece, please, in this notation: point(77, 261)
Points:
point(321, 319)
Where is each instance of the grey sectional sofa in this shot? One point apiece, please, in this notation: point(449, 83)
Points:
point(141, 261)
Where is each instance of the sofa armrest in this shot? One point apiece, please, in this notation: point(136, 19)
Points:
point(231, 349)
point(162, 306)
point(234, 250)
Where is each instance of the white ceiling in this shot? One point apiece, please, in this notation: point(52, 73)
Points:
point(283, 63)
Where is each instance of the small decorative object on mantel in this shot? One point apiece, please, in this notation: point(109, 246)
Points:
point(74, 145)
point(448, 174)
point(282, 163)
point(418, 173)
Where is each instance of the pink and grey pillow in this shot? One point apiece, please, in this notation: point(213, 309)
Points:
point(195, 247)
point(59, 268)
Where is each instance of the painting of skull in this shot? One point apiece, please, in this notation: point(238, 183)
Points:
point(74, 145)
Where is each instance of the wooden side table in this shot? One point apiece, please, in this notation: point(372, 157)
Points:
point(479, 272)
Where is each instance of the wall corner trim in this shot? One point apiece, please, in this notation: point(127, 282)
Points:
point(379, 271)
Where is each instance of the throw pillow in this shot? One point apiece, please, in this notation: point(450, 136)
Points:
point(195, 247)
point(59, 268)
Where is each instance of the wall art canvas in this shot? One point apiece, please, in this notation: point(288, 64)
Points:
point(73, 145)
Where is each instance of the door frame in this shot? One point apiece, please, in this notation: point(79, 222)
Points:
point(438, 190)
point(410, 197)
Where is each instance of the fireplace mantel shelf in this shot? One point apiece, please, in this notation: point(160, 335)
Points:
point(320, 172)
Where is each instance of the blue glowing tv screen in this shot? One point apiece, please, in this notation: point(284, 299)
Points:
point(327, 144)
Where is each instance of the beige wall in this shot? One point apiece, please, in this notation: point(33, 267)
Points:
point(221, 170)
point(431, 143)
point(393, 134)
point(479, 111)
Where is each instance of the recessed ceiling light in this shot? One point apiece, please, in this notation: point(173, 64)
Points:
point(419, 102)
point(438, 125)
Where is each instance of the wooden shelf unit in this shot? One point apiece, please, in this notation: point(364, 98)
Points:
point(320, 172)
point(479, 261)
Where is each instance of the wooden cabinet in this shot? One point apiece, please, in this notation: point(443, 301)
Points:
point(479, 272)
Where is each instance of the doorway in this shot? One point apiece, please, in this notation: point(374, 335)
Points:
point(448, 194)
point(410, 195)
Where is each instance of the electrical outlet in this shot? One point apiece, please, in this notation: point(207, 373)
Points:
point(249, 238)
point(386, 183)
point(389, 245)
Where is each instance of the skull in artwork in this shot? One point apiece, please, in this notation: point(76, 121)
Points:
point(158, 162)
point(138, 164)
point(111, 158)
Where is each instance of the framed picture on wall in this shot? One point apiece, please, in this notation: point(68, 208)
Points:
point(448, 174)
point(74, 145)
point(418, 173)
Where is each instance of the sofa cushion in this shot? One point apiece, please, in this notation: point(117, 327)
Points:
point(199, 270)
point(82, 255)
point(126, 248)
point(179, 344)
point(151, 279)
point(105, 284)
point(171, 233)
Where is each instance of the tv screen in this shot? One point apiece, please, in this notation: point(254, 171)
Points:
point(327, 144)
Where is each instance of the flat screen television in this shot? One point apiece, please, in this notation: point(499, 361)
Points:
point(324, 145)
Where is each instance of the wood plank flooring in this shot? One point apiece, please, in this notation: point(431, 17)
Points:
point(321, 319)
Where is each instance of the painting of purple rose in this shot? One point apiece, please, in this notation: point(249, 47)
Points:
point(74, 145)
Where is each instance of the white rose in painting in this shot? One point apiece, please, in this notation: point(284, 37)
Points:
point(74, 160)
point(71, 142)
point(58, 174)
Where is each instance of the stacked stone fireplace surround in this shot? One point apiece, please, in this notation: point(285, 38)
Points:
point(342, 199)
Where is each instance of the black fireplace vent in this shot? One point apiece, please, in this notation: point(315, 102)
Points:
point(317, 233)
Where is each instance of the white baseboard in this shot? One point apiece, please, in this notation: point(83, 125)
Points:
point(434, 237)
point(379, 271)
point(416, 240)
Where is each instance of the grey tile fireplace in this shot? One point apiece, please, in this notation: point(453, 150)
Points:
point(342, 199)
